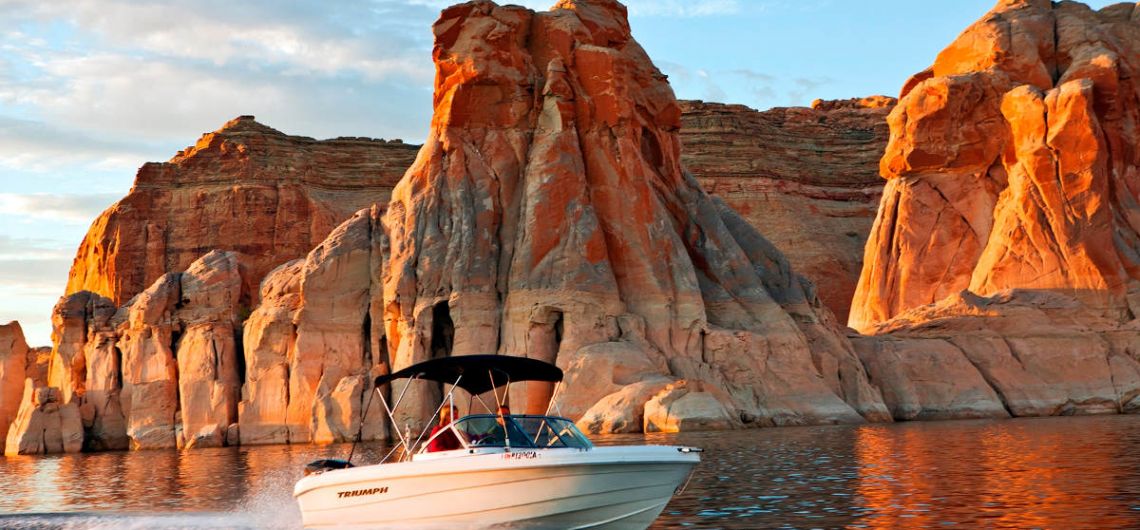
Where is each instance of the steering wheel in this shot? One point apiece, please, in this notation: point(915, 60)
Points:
point(482, 440)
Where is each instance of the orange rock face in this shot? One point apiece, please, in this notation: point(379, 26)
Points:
point(13, 371)
point(1001, 276)
point(310, 349)
point(549, 215)
point(180, 375)
point(807, 178)
point(44, 424)
point(1013, 164)
point(84, 366)
point(245, 188)
point(1029, 352)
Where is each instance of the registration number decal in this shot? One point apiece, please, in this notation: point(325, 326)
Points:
point(523, 455)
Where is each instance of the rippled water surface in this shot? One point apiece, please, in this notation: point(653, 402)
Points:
point(1032, 473)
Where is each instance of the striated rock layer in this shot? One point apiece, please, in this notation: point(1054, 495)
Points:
point(1002, 276)
point(244, 188)
point(548, 215)
point(807, 178)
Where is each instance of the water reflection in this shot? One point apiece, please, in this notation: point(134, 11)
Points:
point(1033, 473)
point(1047, 473)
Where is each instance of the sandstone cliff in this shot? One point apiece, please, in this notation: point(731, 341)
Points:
point(807, 178)
point(551, 214)
point(548, 215)
point(315, 344)
point(1001, 276)
point(244, 188)
point(13, 371)
point(1013, 163)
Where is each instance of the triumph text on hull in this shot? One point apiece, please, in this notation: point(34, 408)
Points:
point(516, 470)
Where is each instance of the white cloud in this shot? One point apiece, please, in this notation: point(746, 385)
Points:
point(805, 88)
point(712, 89)
point(55, 207)
point(37, 146)
point(377, 39)
point(33, 274)
point(32, 309)
point(161, 73)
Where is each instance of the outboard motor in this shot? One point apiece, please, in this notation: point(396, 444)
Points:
point(328, 464)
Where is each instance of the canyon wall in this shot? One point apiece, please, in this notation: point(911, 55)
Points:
point(244, 188)
point(1001, 276)
point(549, 216)
point(250, 290)
point(806, 178)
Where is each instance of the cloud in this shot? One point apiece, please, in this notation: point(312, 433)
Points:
point(36, 324)
point(139, 75)
point(33, 273)
point(676, 72)
point(752, 75)
point(39, 275)
point(375, 39)
point(30, 248)
point(32, 308)
point(115, 110)
point(38, 146)
point(56, 206)
point(803, 89)
point(682, 8)
point(758, 83)
point(712, 90)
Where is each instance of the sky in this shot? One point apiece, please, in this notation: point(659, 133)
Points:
point(92, 89)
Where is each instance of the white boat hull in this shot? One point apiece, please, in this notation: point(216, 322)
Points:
point(604, 487)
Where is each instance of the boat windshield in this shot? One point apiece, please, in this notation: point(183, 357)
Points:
point(485, 430)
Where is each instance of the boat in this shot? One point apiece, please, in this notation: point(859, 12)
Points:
point(529, 471)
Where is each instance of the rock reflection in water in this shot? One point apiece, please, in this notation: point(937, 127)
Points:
point(1032, 473)
point(1047, 473)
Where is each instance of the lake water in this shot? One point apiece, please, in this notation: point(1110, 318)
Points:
point(1028, 473)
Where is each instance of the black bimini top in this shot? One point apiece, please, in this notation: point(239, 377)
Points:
point(480, 373)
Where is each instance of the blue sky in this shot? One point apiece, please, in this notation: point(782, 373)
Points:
point(92, 89)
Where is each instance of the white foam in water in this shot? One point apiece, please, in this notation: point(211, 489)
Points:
point(93, 521)
point(272, 505)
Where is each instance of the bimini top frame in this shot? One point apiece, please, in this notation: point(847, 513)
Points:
point(480, 373)
point(477, 374)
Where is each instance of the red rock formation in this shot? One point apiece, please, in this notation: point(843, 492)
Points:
point(245, 188)
point(1001, 277)
point(189, 399)
point(270, 344)
point(548, 215)
point(1013, 164)
point(807, 178)
point(13, 371)
point(1040, 353)
point(310, 356)
point(84, 366)
point(101, 403)
point(209, 384)
point(150, 372)
point(44, 424)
